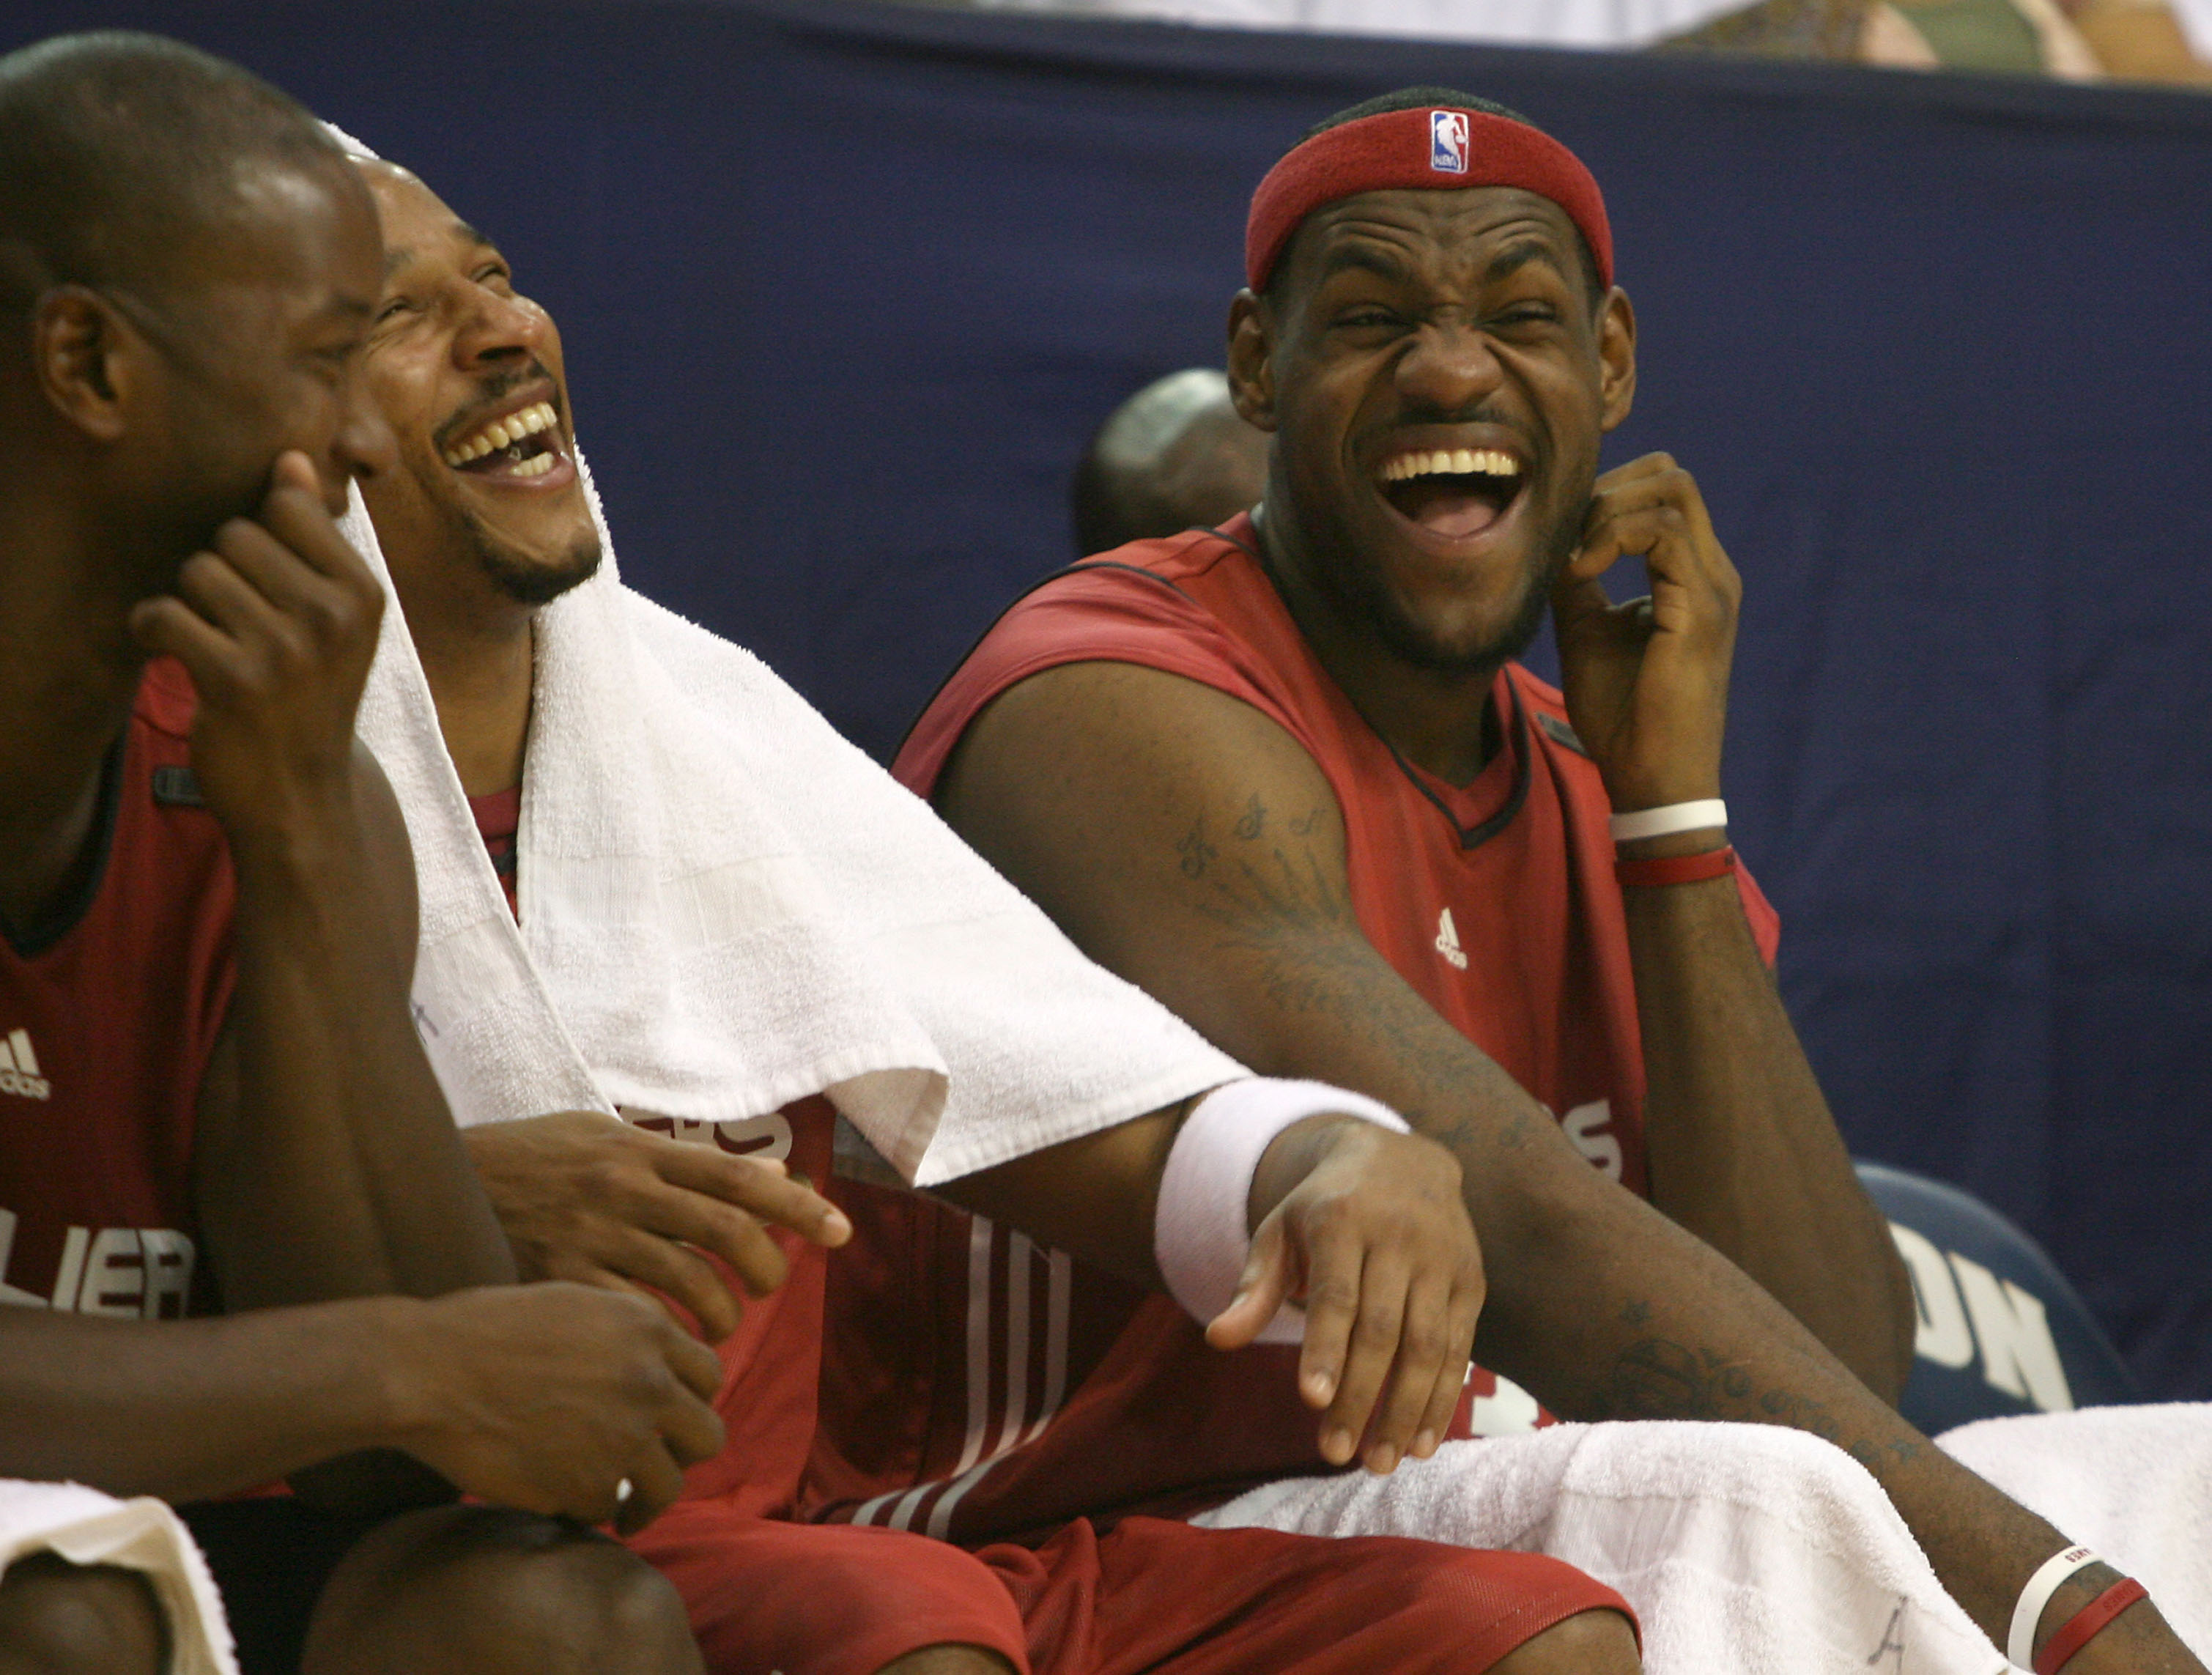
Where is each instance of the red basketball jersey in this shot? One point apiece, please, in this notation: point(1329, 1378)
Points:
point(1496, 901)
point(771, 1365)
point(106, 1026)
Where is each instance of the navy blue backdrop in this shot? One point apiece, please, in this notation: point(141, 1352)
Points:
point(845, 287)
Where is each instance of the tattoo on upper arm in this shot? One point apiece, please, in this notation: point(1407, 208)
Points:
point(1195, 853)
point(1286, 904)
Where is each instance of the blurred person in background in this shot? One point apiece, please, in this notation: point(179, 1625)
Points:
point(1175, 456)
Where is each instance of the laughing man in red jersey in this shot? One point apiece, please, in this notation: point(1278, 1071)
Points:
point(487, 525)
point(1286, 776)
point(215, 1100)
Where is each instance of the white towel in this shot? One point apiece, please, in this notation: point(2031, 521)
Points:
point(2134, 1482)
point(726, 907)
point(87, 1527)
point(1745, 1550)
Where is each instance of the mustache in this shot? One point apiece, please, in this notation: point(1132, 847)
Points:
point(490, 393)
point(1480, 413)
point(1377, 438)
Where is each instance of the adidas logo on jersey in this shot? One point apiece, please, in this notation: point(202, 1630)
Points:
point(19, 1068)
point(1448, 940)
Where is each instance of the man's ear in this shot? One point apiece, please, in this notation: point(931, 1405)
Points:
point(87, 359)
point(1252, 360)
point(1616, 357)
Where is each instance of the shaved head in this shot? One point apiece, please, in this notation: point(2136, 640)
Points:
point(124, 159)
point(187, 274)
point(1173, 457)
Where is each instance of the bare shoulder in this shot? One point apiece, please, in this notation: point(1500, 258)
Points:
point(1176, 833)
point(1090, 765)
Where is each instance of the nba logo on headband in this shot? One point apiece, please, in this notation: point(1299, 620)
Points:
point(1448, 141)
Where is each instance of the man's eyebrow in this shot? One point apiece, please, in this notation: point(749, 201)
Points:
point(1518, 255)
point(461, 232)
point(1360, 255)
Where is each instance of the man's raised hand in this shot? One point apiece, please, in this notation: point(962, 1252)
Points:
point(276, 623)
point(583, 1197)
point(1646, 682)
point(1366, 1228)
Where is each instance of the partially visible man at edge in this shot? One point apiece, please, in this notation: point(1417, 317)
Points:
point(484, 519)
point(1286, 777)
point(205, 935)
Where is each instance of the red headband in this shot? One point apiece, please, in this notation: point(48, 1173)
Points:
point(1436, 149)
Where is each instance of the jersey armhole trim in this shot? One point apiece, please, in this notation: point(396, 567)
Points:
point(1008, 608)
point(67, 914)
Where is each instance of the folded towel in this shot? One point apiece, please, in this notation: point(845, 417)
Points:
point(2134, 1482)
point(87, 1527)
point(1745, 1549)
point(726, 907)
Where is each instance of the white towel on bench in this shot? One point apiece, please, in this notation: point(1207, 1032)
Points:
point(1746, 1550)
point(2134, 1482)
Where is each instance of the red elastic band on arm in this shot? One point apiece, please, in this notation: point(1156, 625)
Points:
point(1675, 869)
point(1437, 148)
point(2079, 1629)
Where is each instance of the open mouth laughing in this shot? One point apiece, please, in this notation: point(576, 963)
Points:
point(521, 446)
point(1452, 494)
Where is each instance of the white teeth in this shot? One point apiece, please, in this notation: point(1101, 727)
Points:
point(1451, 462)
point(505, 432)
point(536, 465)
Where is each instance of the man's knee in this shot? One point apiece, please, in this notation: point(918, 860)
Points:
point(59, 1618)
point(948, 1660)
point(1591, 1642)
point(487, 1591)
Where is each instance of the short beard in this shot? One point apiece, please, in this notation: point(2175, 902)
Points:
point(1407, 640)
point(525, 583)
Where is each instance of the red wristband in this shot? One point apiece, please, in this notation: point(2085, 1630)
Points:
point(1675, 869)
point(2079, 1629)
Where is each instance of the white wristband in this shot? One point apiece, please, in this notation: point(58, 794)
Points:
point(2019, 1646)
point(1199, 1228)
point(1666, 822)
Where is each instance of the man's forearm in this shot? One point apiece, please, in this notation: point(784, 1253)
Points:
point(186, 1410)
point(1741, 1148)
point(1605, 1309)
point(1091, 1197)
point(330, 1167)
point(1609, 1312)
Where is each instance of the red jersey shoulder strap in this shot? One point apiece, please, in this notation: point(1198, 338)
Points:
point(1105, 561)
